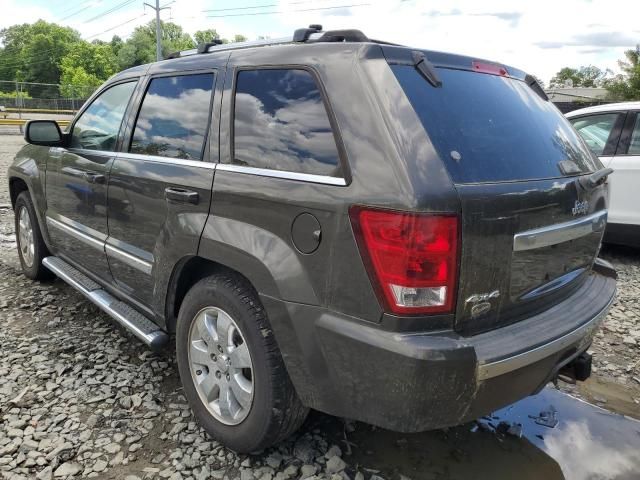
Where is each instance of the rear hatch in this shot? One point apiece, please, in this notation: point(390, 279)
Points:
point(530, 231)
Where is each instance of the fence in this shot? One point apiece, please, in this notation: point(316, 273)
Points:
point(21, 101)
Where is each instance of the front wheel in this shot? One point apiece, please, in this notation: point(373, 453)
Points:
point(31, 246)
point(231, 368)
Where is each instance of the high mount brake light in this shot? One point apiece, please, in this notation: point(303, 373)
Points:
point(412, 258)
point(490, 68)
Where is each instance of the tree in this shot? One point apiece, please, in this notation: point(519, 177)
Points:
point(589, 76)
point(45, 52)
point(116, 44)
point(204, 36)
point(33, 52)
point(85, 67)
point(626, 86)
point(140, 48)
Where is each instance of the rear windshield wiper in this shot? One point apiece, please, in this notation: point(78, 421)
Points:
point(597, 178)
point(536, 87)
point(426, 68)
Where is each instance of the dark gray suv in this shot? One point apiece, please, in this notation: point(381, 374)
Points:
point(398, 236)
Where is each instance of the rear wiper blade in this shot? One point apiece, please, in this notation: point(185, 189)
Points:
point(426, 68)
point(536, 87)
point(589, 182)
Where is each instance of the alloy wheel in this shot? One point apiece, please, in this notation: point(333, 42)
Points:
point(26, 241)
point(221, 366)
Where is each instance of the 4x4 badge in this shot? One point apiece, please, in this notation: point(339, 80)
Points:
point(580, 208)
point(481, 302)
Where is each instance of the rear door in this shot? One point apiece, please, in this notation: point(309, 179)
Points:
point(530, 232)
point(160, 185)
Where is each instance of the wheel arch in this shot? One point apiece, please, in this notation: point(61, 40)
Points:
point(186, 273)
point(17, 185)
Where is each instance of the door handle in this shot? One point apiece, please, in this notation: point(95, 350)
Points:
point(94, 177)
point(181, 195)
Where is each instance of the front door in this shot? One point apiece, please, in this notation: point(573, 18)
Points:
point(77, 181)
point(160, 185)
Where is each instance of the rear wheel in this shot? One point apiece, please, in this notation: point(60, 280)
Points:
point(31, 246)
point(231, 367)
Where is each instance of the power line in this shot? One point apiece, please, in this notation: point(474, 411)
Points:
point(288, 11)
point(256, 6)
point(117, 26)
point(90, 4)
point(251, 14)
point(110, 11)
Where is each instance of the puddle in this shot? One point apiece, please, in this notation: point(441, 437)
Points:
point(586, 443)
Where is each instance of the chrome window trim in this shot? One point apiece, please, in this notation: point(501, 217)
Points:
point(74, 229)
point(559, 232)
point(168, 160)
point(129, 259)
point(284, 174)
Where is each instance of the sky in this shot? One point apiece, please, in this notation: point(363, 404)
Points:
point(539, 37)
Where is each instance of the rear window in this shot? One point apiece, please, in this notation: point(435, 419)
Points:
point(488, 128)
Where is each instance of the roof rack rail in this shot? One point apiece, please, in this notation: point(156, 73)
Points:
point(302, 34)
point(312, 34)
point(350, 35)
point(204, 47)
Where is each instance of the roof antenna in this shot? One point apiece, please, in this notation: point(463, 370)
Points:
point(303, 34)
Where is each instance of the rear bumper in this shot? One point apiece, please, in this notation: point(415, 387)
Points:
point(416, 382)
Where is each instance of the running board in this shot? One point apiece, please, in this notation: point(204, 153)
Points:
point(131, 319)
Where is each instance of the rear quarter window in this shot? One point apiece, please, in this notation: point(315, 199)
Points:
point(281, 123)
point(488, 128)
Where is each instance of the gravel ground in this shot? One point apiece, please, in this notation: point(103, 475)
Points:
point(81, 397)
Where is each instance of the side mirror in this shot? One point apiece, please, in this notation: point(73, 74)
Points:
point(43, 132)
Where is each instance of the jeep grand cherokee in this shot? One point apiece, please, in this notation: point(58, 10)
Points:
point(398, 236)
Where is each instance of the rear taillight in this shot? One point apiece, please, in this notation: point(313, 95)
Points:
point(412, 258)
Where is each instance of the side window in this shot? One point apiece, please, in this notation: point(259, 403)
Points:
point(281, 123)
point(98, 126)
point(634, 145)
point(174, 117)
point(595, 130)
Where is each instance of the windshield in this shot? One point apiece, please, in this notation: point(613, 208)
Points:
point(489, 128)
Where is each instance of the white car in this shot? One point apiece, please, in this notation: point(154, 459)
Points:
point(613, 133)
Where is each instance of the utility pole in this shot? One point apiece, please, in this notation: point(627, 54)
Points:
point(157, 8)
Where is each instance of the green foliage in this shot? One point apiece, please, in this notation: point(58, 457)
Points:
point(140, 48)
point(588, 76)
point(626, 86)
point(13, 94)
point(204, 36)
point(49, 53)
point(33, 52)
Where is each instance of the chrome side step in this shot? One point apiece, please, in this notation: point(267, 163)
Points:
point(131, 319)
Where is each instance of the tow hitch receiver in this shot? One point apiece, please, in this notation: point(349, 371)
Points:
point(579, 368)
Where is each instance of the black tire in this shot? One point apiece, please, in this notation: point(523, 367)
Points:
point(276, 411)
point(35, 271)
